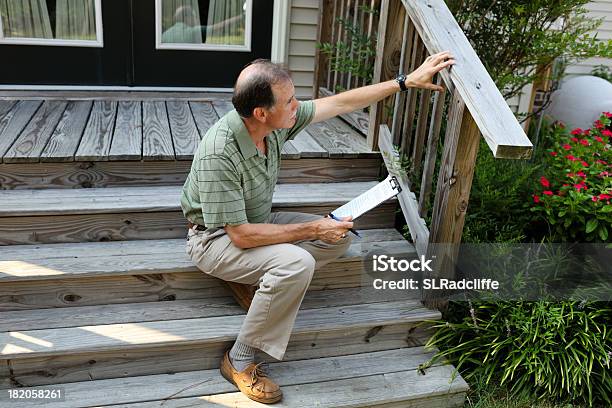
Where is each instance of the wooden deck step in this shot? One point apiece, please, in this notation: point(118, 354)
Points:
point(68, 354)
point(85, 274)
point(128, 213)
point(359, 380)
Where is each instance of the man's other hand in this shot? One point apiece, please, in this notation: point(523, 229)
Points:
point(331, 231)
point(422, 76)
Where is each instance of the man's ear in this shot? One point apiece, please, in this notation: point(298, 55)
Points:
point(260, 114)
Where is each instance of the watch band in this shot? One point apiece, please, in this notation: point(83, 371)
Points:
point(401, 80)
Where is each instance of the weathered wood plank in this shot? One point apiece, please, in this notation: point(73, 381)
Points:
point(98, 134)
point(432, 150)
point(204, 330)
point(407, 139)
point(185, 135)
point(13, 122)
point(173, 359)
point(493, 116)
point(321, 63)
point(400, 97)
point(156, 137)
point(406, 389)
point(307, 146)
point(416, 224)
point(31, 142)
point(159, 387)
point(143, 225)
point(222, 107)
point(55, 318)
point(359, 120)
point(204, 115)
point(67, 135)
point(289, 151)
point(154, 199)
point(152, 173)
point(5, 107)
point(127, 137)
point(421, 129)
point(339, 139)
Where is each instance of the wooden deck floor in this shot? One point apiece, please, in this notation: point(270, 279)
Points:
point(122, 128)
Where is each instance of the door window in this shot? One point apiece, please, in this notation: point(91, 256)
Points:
point(51, 22)
point(204, 24)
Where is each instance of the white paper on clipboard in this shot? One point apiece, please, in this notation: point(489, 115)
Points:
point(372, 198)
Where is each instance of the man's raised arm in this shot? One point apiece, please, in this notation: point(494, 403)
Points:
point(359, 98)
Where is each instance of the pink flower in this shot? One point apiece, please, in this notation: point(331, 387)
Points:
point(544, 181)
point(599, 139)
point(594, 198)
point(584, 142)
point(581, 174)
point(574, 139)
point(536, 198)
point(567, 147)
point(554, 154)
point(587, 132)
point(608, 114)
point(598, 124)
point(604, 174)
point(585, 164)
point(548, 192)
point(570, 157)
point(600, 162)
point(606, 132)
point(577, 131)
point(605, 196)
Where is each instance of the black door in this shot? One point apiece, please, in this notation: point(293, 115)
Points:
point(195, 43)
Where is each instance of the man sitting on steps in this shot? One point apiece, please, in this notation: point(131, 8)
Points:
point(227, 199)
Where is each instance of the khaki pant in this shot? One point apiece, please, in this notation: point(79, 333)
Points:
point(282, 272)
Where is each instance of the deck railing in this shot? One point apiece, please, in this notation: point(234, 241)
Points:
point(408, 125)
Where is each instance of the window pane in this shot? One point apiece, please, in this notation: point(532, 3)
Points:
point(52, 19)
point(219, 22)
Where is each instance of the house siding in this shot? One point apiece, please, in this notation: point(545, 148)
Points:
point(303, 29)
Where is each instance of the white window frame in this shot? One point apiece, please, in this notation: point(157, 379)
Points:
point(204, 47)
point(98, 42)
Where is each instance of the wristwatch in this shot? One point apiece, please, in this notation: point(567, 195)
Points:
point(401, 80)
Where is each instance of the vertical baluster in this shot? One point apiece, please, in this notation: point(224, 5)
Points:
point(411, 97)
point(432, 150)
point(324, 34)
point(372, 23)
point(400, 97)
point(349, 77)
point(339, 38)
point(421, 127)
point(332, 40)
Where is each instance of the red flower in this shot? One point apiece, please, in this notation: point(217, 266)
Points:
point(536, 198)
point(585, 164)
point(574, 139)
point(581, 174)
point(594, 198)
point(606, 132)
point(567, 147)
point(605, 196)
point(548, 192)
point(600, 162)
point(577, 131)
point(554, 154)
point(565, 185)
point(570, 157)
point(544, 182)
point(587, 132)
point(598, 124)
point(599, 139)
point(604, 174)
point(580, 186)
point(608, 114)
point(584, 142)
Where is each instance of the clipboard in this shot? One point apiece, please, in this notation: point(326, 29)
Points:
point(386, 189)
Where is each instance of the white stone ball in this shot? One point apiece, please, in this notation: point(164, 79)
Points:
point(580, 100)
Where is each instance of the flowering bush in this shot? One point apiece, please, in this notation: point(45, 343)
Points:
point(576, 189)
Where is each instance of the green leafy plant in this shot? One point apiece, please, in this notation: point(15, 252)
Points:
point(515, 38)
point(576, 188)
point(538, 349)
point(353, 56)
point(602, 71)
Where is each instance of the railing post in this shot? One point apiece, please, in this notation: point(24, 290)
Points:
point(388, 50)
point(326, 15)
point(452, 192)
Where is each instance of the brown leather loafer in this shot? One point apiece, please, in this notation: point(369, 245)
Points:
point(252, 382)
point(243, 294)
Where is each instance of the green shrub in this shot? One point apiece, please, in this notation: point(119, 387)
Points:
point(543, 350)
point(576, 187)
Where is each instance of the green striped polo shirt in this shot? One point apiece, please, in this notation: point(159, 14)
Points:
point(231, 182)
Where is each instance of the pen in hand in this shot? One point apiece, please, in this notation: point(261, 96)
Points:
point(333, 217)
